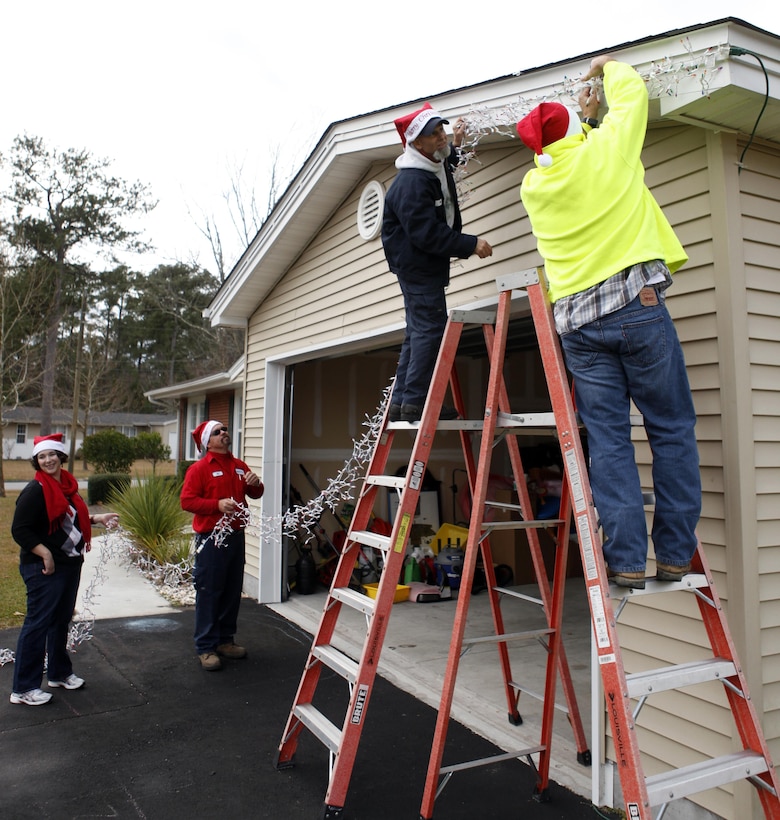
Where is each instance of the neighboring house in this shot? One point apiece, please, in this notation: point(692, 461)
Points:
point(219, 396)
point(23, 424)
point(324, 319)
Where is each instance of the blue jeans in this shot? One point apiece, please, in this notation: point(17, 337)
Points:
point(426, 318)
point(219, 580)
point(51, 600)
point(634, 353)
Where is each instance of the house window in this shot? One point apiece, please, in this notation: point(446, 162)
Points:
point(369, 212)
point(196, 413)
point(21, 433)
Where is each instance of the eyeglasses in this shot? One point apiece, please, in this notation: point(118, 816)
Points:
point(217, 431)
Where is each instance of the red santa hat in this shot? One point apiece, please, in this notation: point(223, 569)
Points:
point(202, 433)
point(546, 124)
point(418, 123)
point(52, 442)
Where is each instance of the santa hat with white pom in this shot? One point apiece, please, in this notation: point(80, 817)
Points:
point(546, 124)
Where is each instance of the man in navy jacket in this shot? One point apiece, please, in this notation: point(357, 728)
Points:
point(421, 232)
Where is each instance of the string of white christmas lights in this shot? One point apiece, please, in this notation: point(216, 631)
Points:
point(175, 579)
point(664, 78)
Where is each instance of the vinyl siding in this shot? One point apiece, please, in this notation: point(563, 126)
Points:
point(726, 306)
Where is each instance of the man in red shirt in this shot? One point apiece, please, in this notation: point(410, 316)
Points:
point(215, 490)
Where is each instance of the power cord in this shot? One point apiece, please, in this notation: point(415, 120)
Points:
point(736, 51)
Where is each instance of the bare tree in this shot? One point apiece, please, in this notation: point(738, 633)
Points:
point(67, 200)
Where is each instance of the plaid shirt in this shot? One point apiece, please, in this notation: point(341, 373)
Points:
point(578, 309)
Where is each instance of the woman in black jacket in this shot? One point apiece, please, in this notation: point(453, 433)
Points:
point(52, 526)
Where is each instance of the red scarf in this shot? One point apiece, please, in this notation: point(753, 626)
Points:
point(59, 496)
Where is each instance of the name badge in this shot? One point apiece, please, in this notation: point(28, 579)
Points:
point(217, 473)
point(239, 471)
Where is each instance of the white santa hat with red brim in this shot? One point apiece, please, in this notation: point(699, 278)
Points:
point(546, 124)
point(51, 442)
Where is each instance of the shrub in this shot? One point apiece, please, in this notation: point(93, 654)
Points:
point(150, 447)
point(150, 512)
point(109, 451)
point(181, 469)
point(101, 487)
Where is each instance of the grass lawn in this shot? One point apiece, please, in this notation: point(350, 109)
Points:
point(12, 589)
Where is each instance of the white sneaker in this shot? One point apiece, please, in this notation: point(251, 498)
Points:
point(34, 697)
point(71, 682)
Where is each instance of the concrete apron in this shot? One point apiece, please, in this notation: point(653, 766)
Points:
point(414, 658)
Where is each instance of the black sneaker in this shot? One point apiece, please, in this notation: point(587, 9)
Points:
point(394, 413)
point(413, 412)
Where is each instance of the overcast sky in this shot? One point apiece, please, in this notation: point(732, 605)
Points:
point(178, 93)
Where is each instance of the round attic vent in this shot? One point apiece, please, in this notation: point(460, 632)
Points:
point(369, 212)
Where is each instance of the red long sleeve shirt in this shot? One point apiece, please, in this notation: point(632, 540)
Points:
point(215, 476)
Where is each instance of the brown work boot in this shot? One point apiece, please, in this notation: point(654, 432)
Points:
point(231, 650)
point(210, 661)
point(669, 572)
point(632, 580)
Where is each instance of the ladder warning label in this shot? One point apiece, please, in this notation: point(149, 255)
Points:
point(633, 811)
point(586, 546)
point(599, 618)
point(400, 541)
point(360, 703)
point(575, 480)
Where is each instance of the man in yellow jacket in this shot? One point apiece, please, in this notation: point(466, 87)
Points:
point(609, 253)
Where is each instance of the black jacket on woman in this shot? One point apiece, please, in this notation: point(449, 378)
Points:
point(31, 527)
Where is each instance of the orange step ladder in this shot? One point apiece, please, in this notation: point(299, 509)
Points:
point(626, 694)
point(342, 741)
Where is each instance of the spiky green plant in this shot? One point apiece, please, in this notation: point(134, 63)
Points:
point(150, 511)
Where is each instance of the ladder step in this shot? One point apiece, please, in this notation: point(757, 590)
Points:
point(371, 539)
point(509, 421)
point(395, 481)
point(689, 582)
point(674, 677)
point(355, 600)
point(325, 731)
point(699, 777)
point(531, 634)
point(337, 661)
point(473, 317)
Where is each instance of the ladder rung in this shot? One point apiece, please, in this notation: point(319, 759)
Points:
point(501, 505)
point(674, 677)
point(513, 593)
point(371, 539)
point(510, 636)
point(486, 761)
point(396, 481)
point(337, 661)
point(325, 731)
point(534, 524)
point(699, 777)
point(356, 600)
point(537, 696)
point(693, 580)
